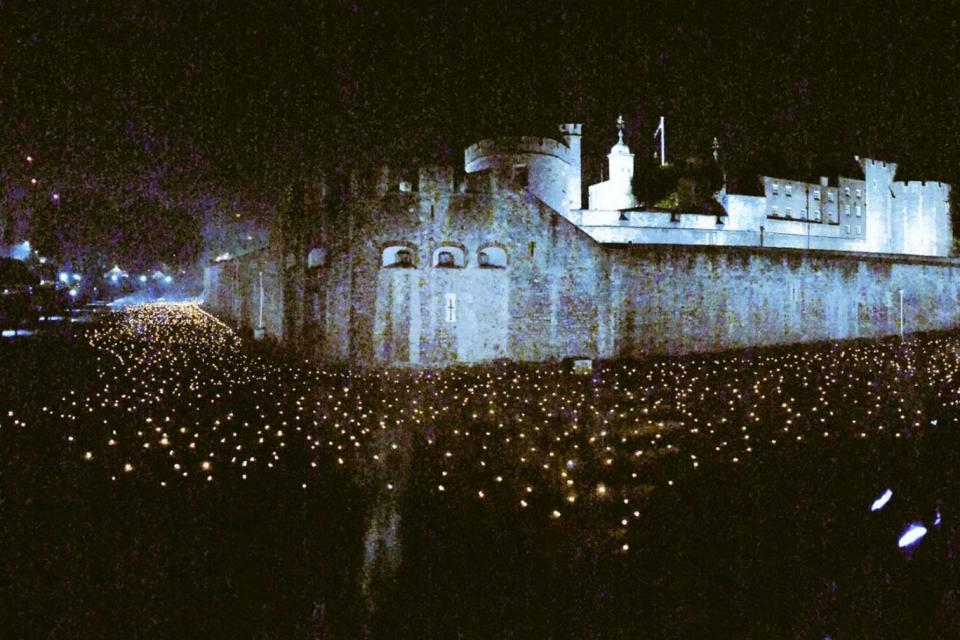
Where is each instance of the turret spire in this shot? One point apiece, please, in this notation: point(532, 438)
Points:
point(620, 128)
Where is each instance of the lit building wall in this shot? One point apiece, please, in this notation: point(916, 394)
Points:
point(412, 268)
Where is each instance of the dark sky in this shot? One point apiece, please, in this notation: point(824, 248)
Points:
point(219, 97)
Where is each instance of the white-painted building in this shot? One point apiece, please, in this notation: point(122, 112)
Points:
point(875, 214)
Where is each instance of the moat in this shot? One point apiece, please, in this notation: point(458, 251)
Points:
point(162, 478)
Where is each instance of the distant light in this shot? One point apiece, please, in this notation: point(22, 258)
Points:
point(77, 277)
point(43, 260)
point(63, 277)
point(33, 181)
point(73, 293)
point(168, 279)
point(911, 535)
point(29, 158)
point(21, 251)
point(113, 278)
point(882, 501)
point(56, 196)
point(937, 519)
point(143, 278)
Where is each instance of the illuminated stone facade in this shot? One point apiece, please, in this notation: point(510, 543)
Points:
point(501, 262)
point(874, 215)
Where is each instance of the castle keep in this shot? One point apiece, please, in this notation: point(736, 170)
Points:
point(503, 260)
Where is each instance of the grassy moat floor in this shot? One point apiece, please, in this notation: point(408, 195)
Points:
point(160, 478)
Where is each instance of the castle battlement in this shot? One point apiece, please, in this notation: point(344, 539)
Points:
point(878, 163)
point(927, 185)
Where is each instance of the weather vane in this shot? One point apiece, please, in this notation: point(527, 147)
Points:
point(620, 127)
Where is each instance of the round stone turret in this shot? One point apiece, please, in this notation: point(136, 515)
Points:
point(547, 168)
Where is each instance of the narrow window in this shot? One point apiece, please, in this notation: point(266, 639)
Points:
point(445, 259)
point(846, 191)
point(492, 258)
point(774, 209)
point(846, 209)
point(532, 247)
point(858, 193)
point(789, 190)
point(404, 258)
point(831, 196)
point(788, 211)
point(816, 194)
point(856, 209)
point(858, 230)
point(521, 174)
point(847, 228)
point(316, 258)
point(449, 257)
point(451, 307)
point(774, 188)
point(398, 257)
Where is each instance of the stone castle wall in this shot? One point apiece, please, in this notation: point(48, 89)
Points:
point(559, 292)
point(232, 291)
point(678, 299)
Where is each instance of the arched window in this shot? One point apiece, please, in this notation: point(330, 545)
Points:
point(316, 257)
point(449, 257)
point(398, 257)
point(492, 258)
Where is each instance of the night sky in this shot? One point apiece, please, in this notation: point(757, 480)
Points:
point(199, 104)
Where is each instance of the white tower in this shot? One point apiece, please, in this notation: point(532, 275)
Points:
point(620, 159)
point(617, 191)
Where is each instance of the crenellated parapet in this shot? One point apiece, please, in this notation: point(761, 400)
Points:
point(929, 188)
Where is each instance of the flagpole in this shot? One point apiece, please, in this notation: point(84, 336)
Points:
point(663, 143)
